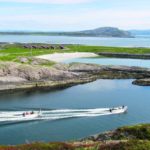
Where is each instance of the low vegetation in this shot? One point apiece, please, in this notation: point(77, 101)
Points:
point(10, 52)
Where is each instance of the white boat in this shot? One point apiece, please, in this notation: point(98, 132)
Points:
point(119, 110)
point(20, 116)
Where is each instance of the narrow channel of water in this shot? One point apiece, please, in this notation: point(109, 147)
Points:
point(112, 61)
point(98, 94)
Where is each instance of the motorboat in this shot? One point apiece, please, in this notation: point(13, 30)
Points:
point(20, 116)
point(31, 115)
point(118, 110)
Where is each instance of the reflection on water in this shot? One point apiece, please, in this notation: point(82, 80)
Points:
point(108, 85)
point(98, 94)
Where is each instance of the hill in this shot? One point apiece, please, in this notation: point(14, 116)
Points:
point(107, 32)
point(98, 32)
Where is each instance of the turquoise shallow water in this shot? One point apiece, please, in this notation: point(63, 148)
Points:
point(98, 94)
point(112, 61)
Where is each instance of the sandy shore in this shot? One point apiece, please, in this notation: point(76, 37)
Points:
point(60, 57)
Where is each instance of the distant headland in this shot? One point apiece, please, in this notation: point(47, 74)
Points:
point(98, 32)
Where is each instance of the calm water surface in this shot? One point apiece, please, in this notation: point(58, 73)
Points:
point(98, 94)
point(101, 93)
point(126, 42)
point(112, 61)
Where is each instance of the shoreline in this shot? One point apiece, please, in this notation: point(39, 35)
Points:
point(124, 55)
point(31, 77)
point(126, 137)
point(60, 57)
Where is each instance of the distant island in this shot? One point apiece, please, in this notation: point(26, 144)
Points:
point(98, 32)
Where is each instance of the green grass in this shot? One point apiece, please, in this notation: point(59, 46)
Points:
point(80, 48)
point(11, 51)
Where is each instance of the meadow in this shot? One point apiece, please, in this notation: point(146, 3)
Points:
point(10, 52)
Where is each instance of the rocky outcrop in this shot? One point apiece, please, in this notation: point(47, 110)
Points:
point(125, 55)
point(15, 76)
point(142, 82)
point(11, 79)
point(34, 61)
point(33, 72)
point(110, 72)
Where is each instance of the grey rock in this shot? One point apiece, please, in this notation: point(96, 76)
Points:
point(24, 60)
point(142, 82)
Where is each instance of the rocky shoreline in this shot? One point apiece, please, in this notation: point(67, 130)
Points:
point(142, 82)
point(125, 55)
point(17, 76)
point(124, 138)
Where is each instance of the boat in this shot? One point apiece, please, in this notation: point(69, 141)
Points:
point(20, 116)
point(30, 115)
point(118, 110)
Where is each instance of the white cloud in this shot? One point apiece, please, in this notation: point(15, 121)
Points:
point(49, 1)
point(83, 19)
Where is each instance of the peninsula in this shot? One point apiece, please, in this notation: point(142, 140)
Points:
point(25, 68)
point(98, 32)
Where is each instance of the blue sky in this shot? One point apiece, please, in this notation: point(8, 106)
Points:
point(67, 15)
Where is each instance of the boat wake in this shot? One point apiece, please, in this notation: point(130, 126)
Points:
point(18, 116)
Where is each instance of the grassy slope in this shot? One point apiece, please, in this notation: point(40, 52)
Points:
point(81, 48)
point(11, 52)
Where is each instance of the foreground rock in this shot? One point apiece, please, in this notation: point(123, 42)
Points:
point(17, 76)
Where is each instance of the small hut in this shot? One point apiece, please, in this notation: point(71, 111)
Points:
point(34, 46)
point(52, 47)
point(43, 47)
point(27, 46)
point(61, 47)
